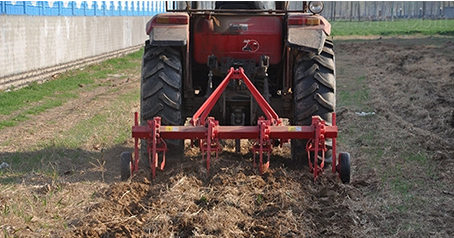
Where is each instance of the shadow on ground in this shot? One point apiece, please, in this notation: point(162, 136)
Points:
point(69, 165)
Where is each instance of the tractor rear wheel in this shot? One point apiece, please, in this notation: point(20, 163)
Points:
point(314, 93)
point(160, 94)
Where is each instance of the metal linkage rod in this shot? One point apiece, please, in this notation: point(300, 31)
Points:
point(234, 74)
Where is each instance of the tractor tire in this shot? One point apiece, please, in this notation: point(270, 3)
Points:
point(314, 93)
point(160, 94)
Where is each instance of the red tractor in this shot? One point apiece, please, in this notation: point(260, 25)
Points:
point(284, 53)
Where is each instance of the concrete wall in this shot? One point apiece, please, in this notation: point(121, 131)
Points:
point(449, 12)
point(29, 43)
point(82, 8)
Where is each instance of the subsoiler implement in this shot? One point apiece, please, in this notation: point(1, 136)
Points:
point(269, 132)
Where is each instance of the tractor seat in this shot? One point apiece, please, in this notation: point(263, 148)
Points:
point(239, 5)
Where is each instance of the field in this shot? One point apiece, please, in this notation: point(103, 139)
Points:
point(60, 148)
point(396, 27)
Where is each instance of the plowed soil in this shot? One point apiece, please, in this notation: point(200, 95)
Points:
point(396, 119)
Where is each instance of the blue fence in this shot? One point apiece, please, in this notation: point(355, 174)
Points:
point(84, 8)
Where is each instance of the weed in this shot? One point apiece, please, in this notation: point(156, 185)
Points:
point(203, 201)
point(100, 166)
point(417, 157)
point(6, 210)
point(401, 185)
point(8, 123)
point(259, 199)
point(28, 218)
point(5, 179)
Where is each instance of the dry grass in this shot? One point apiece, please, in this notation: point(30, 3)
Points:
point(231, 201)
point(40, 206)
point(401, 162)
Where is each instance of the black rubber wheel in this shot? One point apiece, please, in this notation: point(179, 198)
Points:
point(314, 93)
point(160, 94)
point(344, 167)
point(125, 165)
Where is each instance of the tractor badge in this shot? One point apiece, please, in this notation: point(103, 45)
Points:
point(251, 45)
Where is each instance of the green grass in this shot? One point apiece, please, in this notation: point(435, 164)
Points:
point(16, 100)
point(355, 95)
point(46, 103)
point(37, 98)
point(40, 162)
point(419, 158)
point(107, 128)
point(99, 129)
point(82, 132)
point(396, 27)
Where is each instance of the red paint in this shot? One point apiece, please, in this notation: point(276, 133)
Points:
point(239, 37)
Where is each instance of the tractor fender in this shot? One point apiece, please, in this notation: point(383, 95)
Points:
point(168, 29)
point(307, 32)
